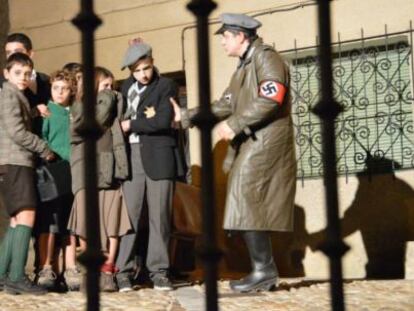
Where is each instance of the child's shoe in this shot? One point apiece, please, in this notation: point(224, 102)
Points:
point(107, 282)
point(23, 286)
point(124, 283)
point(46, 278)
point(73, 278)
point(162, 282)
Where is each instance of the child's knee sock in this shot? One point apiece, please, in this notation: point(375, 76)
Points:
point(21, 241)
point(5, 252)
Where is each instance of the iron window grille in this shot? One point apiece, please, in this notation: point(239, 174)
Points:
point(373, 83)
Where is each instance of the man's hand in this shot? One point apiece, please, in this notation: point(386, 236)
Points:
point(43, 110)
point(177, 110)
point(126, 126)
point(224, 131)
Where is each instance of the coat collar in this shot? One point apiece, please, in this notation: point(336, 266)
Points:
point(247, 57)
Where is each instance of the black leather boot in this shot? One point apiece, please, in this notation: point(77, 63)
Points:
point(264, 274)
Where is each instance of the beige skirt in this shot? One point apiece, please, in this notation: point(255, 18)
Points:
point(113, 215)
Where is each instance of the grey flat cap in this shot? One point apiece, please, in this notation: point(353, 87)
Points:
point(238, 22)
point(135, 52)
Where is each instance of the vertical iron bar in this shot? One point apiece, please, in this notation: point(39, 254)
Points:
point(400, 91)
point(327, 109)
point(92, 258)
point(299, 130)
point(365, 90)
point(205, 121)
point(388, 85)
point(341, 87)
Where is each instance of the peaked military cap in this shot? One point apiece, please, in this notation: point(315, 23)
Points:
point(135, 52)
point(237, 22)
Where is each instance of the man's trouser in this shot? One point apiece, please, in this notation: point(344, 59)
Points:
point(158, 194)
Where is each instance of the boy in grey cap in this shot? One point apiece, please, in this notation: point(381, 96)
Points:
point(153, 163)
point(255, 114)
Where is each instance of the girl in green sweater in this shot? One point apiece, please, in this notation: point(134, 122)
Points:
point(53, 216)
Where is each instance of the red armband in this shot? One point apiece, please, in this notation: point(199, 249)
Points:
point(272, 90)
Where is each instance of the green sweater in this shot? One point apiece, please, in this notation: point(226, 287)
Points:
point(55, 130)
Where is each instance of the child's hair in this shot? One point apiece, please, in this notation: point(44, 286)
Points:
point(102, 73)
point(61, 75)
point(21, 38)
point(18, 58)
point(73, 68)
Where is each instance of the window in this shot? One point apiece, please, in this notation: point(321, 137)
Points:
point(373, 84)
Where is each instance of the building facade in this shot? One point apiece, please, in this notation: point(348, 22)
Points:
point(373, 73)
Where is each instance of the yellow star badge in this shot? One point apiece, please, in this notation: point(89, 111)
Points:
point(149, 112)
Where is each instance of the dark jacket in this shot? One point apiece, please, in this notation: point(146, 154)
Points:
point(157, 138)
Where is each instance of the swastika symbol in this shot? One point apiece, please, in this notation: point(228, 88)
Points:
point(269, 88)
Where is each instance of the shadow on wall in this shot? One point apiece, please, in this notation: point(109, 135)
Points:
point(383, 212)
point(288, 247)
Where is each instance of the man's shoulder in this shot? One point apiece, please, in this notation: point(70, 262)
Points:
point(264, 48)
point(165, 82)
point(267, 53)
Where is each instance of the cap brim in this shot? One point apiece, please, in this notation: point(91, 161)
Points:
point(225, 27)
point(220, 30)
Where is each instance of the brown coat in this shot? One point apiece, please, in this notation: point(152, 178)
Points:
point(18, 145)
point(261, 159)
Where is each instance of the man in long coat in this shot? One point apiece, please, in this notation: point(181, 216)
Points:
point(255, 113)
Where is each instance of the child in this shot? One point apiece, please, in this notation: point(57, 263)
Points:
point(38, 90)
point(53, 216)
point(18, 145)
point(153, 157)
point(112, 169)
point(74, 69)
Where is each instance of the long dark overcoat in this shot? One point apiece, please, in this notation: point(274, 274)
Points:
point(261, 159)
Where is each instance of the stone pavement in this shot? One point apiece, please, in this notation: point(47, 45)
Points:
point(291, 295)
